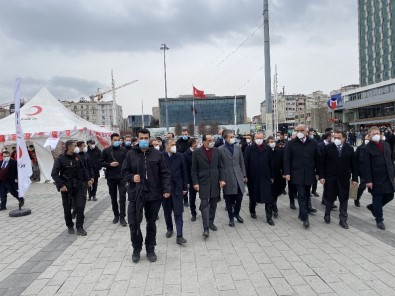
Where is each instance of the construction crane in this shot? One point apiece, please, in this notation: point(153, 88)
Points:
point(99, 95)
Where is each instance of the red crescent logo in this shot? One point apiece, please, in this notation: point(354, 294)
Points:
point(38, 110)
point(20, 152)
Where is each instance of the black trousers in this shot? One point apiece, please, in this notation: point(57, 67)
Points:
point(208, 207)
point(233, 203)
point(303, 200)
point(151, 210)
point(192, 200)
point(168, 205)
point(5, 188)
point(185, 197)
point(70, 199)
point(361, 189)
point(379, 201)
point(115, 185)
point(292, 192)
point(343, 199)
point(92, 190)
point(314, 187)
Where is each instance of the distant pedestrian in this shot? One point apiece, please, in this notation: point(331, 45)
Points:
point(188, 163)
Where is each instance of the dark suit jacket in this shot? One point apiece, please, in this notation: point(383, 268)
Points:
point(301, 161)
point(12, 170)
point(205, 173)
point(218, 143)
point(188, 163)
point(379, 168)
point(358, 155)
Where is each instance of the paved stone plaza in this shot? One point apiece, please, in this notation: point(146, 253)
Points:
point(38, 257)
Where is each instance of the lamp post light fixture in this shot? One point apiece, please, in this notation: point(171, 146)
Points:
point(164, 48)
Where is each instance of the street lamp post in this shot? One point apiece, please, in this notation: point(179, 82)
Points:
point(164, 48)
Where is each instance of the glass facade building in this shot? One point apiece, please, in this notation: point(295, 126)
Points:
point(211, 110)
point(376, 20)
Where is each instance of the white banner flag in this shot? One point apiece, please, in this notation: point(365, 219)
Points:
point(24, 162)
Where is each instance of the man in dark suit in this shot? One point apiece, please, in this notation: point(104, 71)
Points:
point(337, 167)
point(174, 203)
point(301, 167)
point(378, 170)
point(205, 180)
point(188, 163)
point(8, 180)
point(358, 155)
point(220, 140)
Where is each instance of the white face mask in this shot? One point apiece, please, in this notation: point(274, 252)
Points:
point(232, 141)
point(93, 146)
point(376, 138)
point(211, 145)
point(300, 135)
point(383, 138)
point(173, 149)
point(157, 147)
point(6, 159)
point(85, 149)
point(366, 142)
point(76, 150)
point(248, 141)
point(337, 142)
point(272, 145)
point(259, 142)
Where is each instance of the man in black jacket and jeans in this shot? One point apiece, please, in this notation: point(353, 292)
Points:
point(112, 159)
point(301, 167)
point(148, 180)
point(94, 155)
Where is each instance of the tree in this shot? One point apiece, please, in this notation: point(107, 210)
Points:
point(178, 129)
point(202, 128)
point(191, 129)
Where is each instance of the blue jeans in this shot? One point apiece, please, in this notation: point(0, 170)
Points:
point(379, 201)
point(303, 199)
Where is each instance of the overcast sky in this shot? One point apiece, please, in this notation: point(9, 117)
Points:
point(217, 45)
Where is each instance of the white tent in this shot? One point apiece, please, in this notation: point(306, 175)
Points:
point(44, 117)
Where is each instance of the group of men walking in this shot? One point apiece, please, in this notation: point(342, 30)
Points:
point(158, 174)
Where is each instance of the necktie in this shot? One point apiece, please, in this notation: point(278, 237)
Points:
point(4, 165)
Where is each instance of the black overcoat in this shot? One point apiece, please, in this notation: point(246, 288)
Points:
point(358, 155)
point(378, 168)
point(188, 164)
point(279, 183)
point(259, 172)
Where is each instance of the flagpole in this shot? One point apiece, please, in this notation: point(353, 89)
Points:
point(234, 111)
point(194, 116)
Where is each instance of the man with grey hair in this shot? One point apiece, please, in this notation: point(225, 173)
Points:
point(378, 174)
point(232, 176)
point(301, 167)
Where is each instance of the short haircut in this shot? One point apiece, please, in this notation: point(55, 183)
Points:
point(159, 139)
point(327, 135)
point(185, 130)
point(6, 152)
point(172, 135)
point(342, 133)
point(144, 131)
point(328, 129)
point(152, 140)
point(127, 136)
point(204, 139)
point(134, 139)
point(31, 146)
point(191, 141)
point(373, 128)
point(280, 132)
point(226, 133)
point(114, 135)
point(170, 141)
point(79, 143)
point(69, 143)
point(270, 138)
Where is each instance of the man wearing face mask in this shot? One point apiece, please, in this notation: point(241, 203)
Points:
point(359, 156)
point(220, 140)
point(94, 154)
point(337, 167)
point(127, 143)
point(205, 180)
point(301, 167)
point(8, 180)
point(112, 159)
point(260, 174)
point(378, 170)
point(168, 136)
point(232, 176)
point(155, 144)
point(175, 162)
point(188, 163)
point(149, 179)
point(68, 175)
point(182, 146)
point(245, 142)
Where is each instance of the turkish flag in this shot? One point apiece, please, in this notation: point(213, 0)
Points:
point(2, 138)
point(198, 93)
point(54, 134)
point(27, 136)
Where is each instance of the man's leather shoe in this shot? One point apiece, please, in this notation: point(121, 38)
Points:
point(81, 231)
point(327, 219)
point(206, 232)
point(275, 214)
point(169, 233)
point(381, 225)
point(370, 208)
point(312, 210)
point(253, 215)
point(270, 222)
point(180, 240)
point(306, 224)
point(239, 219)
point(292, 206)
point(357, 203)
point(232, 223)
point(213, 227)
point(116, 220)
point(71, 230)
point(123, 222)
point(136, 256)
point(344, 225)
point(193, 218)
point(3, 209)
point(94, 198)
point(152, 256)
point(89, 198)
point(316, 194)
point(22, 201)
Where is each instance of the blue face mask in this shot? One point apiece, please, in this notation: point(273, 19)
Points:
point(185, 137)
point(143, 144)
point(220, 137)
point(128, 143)
point(116, 144)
